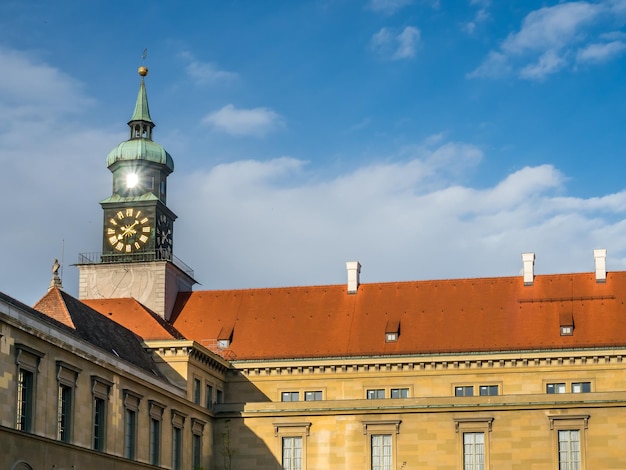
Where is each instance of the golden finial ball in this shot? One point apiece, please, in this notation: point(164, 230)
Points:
point(143, 71)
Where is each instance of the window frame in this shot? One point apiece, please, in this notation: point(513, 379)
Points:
point(382, 428)
point(100, 392)
point(27, 360)
point(318, 395)
point(67, 377)
point(132, 402)
point(578, 423)
point(375, 392)
point(197, 431)
point(464, 389)
point(489, 388)
point(282, 430)
point(473, 425)
point(178, 425)
point(400, 390)
point(290, 394)
point(155, 411)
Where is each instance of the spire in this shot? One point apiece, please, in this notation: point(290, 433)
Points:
point(140, 123)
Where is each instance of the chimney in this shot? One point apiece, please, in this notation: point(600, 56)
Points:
point(529, 268)
point(600, 258)
point(354, 269)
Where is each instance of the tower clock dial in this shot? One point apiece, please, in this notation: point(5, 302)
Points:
point(128, 230)
point(164, 236)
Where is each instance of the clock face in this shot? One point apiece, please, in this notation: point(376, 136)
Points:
point(164, 237)
point(128, 230)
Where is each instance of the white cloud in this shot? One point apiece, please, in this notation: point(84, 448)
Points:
point(554, 38)
point(206, 73)
point(410, 219)
point(396, 45)
point(600, 52)
point(547, 64)
point(256, 122)
point(481, 15)
point(388, 7)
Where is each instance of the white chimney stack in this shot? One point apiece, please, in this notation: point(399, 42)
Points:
point(354, 270)
point(529, 268)
point(600, 258)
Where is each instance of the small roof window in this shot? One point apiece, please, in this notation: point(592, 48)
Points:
point(392, 331)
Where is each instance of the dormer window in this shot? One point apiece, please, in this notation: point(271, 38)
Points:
point(392, 331)
point(566, 321)
point(225, 337)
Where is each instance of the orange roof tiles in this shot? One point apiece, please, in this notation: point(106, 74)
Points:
point(53, 305)
point(134, 316)
point(446, 316)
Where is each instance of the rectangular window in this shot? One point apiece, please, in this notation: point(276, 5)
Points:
point(290, 396)
point(375, 394)
point(569, 449)
point(196, 451)
point(581, 387)
point(64, 413)
point(25, 400)
point(381, 452)
point(209, 396)
point(488, 390)
point(177, 447)
point(555, 388)
point(399, 393)
point(196, 391)
point(99, 423)
point(130, 433)
point(313, 396)
point(473, 451)
point(464, 391)
point(220, 397)
point(155, 442)
point(292, 453)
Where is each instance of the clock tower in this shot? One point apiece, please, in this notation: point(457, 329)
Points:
point(137, 258)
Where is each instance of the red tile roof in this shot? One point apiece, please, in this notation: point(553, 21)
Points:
point(134, 316)
point(53, 305)
point(446, 316)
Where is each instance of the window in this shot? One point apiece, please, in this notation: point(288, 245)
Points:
point(555, 388)
point(178, 422)
point(219, 397)
point(569, 435)
point(156, 417)
point(131, 408)
point(209, 396)
point(100, 390)
point(473, 451)
point(473, 442)
point(155, 442)
point(67, 376)
point(290, 396)
point(376, 393)
point(381, 440)
point(130, 433)
point(464, 391)
point(313, 396)
point(581, 387)
point(292, 453)
point(99, 420)
point(27, 360)
point(488, 390)
point(176, 448)
point(291, 441)
point(25, 400)
point(196, 391)
point(381, 451)
point(64, 413)
point(567, 331)
point(399, 393)
point(197, 428)
point(569, 449)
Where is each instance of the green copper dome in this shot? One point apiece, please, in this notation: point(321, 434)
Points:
point(140, 149)
point(140, 146)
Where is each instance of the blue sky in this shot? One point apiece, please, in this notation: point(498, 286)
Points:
point(425, 139)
